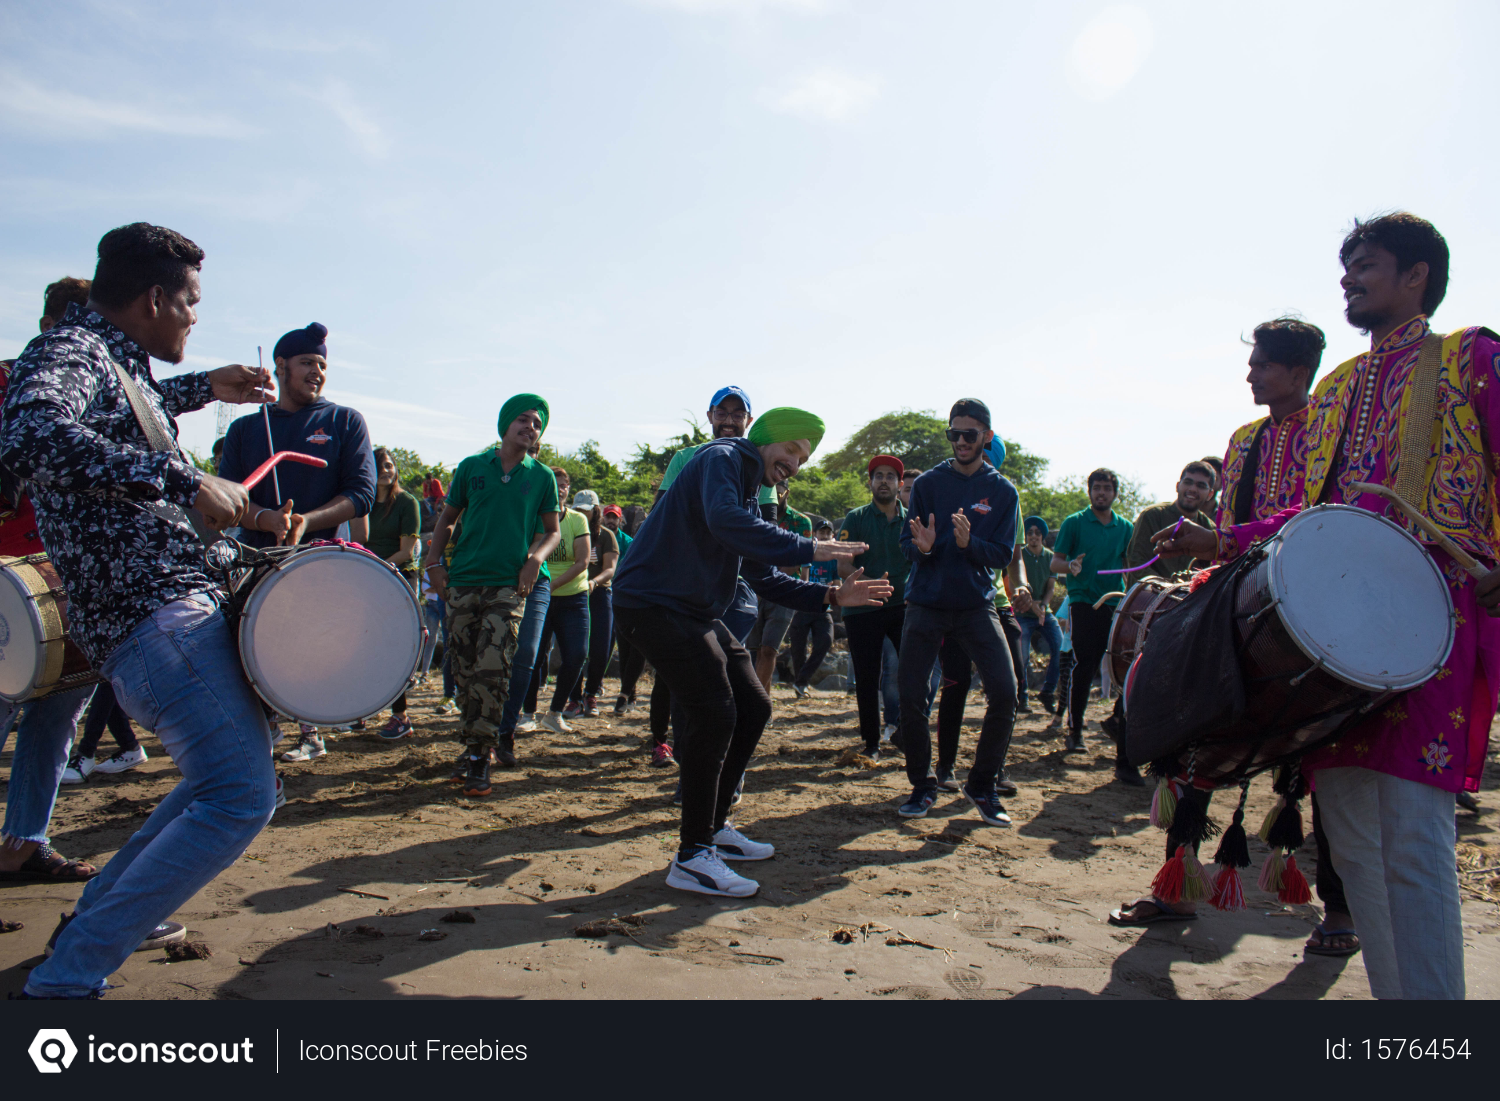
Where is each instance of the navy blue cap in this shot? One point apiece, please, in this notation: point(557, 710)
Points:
point(731, 391)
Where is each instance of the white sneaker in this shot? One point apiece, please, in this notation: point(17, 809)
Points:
point(123, 761)
point(887, 734)
point(280, 794)
point(309, 748)
point(527, 724)
point(733, 845)
point(707, 874)
point(78, 769)
point(554, 721)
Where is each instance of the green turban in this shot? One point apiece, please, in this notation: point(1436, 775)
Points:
point(523, 403)
point(785, 424)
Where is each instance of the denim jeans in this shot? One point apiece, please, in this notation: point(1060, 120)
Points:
point(978, 631)
point(44, 736)
point(436, 617)
point(177, 674)
point(528, 640)
point(568, 621)
point(601, 640)
point(1046, 635)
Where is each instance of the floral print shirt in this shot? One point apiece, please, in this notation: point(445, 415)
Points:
point(68, 432)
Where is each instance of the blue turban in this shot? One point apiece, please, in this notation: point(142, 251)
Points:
point(1038, 523)
point(302, 342)
point(995, 452)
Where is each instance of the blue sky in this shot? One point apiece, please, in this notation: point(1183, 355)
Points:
point(1072, 211)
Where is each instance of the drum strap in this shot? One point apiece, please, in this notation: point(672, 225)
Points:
point(160, 440)
point(1244, 494)
point(1419, 432)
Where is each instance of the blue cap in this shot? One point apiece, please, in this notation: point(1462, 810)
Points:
point(731, 392)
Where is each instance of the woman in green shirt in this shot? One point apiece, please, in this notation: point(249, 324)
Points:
point(393, 525)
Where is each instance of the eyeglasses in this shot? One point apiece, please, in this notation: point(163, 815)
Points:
point(968, 435)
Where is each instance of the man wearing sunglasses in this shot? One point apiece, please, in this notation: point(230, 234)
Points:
point(962, 529)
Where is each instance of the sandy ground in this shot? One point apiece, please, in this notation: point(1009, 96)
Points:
point(857, 903)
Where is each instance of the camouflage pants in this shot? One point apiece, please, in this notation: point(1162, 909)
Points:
point(483, 621)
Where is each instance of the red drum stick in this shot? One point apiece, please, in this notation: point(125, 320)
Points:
point(266, 467)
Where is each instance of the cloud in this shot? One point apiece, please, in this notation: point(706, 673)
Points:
point(737, 7)
point(1109, 51)
point(367, 133)
point(825, 95)
point(49, 109)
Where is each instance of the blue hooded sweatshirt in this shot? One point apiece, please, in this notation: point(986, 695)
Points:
point(705, 531)
point(951, 577)
point(333, 432)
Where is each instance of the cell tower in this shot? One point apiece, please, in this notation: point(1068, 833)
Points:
point(222, 416)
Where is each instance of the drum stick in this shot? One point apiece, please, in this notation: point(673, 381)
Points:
point(265, 410)
point(1107, 596)
point(1461, 556)
point(269, 466)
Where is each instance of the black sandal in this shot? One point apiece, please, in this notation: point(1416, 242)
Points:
point(47, 865)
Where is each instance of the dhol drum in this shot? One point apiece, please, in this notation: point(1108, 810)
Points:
point(1147, 598)
point(36, 656)
point(1335, 614)
point(329, 633)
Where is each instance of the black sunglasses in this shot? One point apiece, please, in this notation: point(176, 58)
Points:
point(968, 435)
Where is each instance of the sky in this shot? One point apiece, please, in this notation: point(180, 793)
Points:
point(1074, 211)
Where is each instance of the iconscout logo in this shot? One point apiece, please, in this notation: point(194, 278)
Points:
point(52, 1050)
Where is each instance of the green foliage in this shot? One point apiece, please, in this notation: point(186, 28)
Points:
point(828, 495)
point(1053, 503)
point(916, 438)
point(205, 465)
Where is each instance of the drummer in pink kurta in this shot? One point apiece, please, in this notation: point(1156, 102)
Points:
point(1386, 789)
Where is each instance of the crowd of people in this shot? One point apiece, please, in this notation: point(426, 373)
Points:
point(937, 577)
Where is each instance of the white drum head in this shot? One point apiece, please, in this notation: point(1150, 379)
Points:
point(1360, 595)
point(21, 651)
point(332, 636)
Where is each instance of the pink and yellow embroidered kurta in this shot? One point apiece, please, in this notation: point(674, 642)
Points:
point(1280, 469)
point(1437, 733)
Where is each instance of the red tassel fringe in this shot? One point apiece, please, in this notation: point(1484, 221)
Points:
point(1167, 885)
point(1293, 884)
point(1229, 892)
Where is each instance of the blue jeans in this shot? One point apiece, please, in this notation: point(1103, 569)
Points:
point(44, 736)
point(568, 620)
point(528, 639)
point(1048, 637)
point(436, 616)
point(177, 674)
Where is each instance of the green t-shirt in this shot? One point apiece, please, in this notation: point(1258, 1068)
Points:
point(680, 460)
point(624, 541)
point(1002, 598)
point(390, 520)
point(1103, 547)
point(867, 524)
point(1037, 569)
point(571, 525)
point(501, 514)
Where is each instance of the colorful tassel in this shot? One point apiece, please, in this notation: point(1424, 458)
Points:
point(1168, 883)
point(1286, 831)
point(1229, 892)
point(1293, 884)
point(1270, 875)
point(1195, 885)
point(1264, 833)
point(1163, 804)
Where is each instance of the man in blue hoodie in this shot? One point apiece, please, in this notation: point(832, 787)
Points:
point(670, 595)
point(962, 529)
point(313, 501)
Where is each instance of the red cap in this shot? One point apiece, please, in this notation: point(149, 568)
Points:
point(886, 460)
point(616, 509)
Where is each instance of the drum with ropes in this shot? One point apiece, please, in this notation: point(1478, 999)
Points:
point(1289, 646)
point(36, 656)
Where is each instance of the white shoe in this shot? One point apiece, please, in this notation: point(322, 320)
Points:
point(733, 845)
point(123, 761)
point(554, 721)
point(707, 874)
point(527, 724)
point(78, 769)
point(887, 734)
point(309, 748)
point(280, 794)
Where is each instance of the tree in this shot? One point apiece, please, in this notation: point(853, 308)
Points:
point(830, 496)
point(412, 472)
point(916, 438)
point(1054, 503)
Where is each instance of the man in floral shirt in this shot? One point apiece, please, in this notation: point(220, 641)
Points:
point(141, 605)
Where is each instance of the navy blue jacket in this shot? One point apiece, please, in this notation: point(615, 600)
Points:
point(333, 432)
point(705, 530)
point(951, 577)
